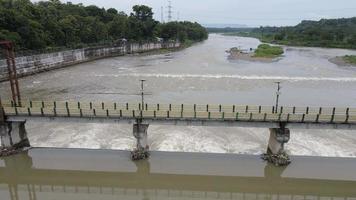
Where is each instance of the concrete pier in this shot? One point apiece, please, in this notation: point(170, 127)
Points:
point(275, 150)
point(13, 135)
point(278, 137)
point(140, 133)
point(142, 148)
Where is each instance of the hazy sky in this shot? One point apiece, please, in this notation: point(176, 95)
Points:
point(248, 12)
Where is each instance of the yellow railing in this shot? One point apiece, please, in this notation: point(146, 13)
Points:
point(193, 112)
point(182, 107)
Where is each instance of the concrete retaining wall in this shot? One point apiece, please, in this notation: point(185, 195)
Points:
point(28, 65)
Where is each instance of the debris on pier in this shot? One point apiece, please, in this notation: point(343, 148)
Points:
point(9, 151)
point(280, 159)
point(139, 154)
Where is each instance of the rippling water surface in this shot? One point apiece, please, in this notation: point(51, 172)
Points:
point(77, 174)
point(201, 74)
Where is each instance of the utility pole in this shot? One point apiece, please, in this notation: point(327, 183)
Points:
point(177, 16)
point(11, 66)
point(278, 93)
point(170, 10)
point(142, 94)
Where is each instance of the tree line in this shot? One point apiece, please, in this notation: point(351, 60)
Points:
point(51, 24)
point(228, 30)
point(338, 33)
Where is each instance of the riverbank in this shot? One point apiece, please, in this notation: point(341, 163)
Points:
point(95, 174)
point(33, 64)
point(182, 46)
point(271, 40)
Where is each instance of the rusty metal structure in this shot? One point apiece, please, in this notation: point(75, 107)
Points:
point(8, 48)
point(2, 114)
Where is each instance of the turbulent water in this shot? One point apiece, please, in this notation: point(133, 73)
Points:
point(199, 74)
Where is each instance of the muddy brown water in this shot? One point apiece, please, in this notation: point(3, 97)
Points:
point(43, 174)
point(201, 74)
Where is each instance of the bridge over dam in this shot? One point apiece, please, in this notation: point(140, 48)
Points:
point(279, 120)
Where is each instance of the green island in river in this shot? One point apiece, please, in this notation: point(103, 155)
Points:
point(263, 53)
point(348, 60)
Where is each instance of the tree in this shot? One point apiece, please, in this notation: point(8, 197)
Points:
point(141, 23)
point(142, 13)
point(112, 11)
point(182, 31)
point(324, 33)
point(118, 27)
point(47, 24)
point(68, 25)
point(352, 41)
point(94, 11)
point(11, 36)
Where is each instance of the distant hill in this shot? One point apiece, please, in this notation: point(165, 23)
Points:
point(225, 25)
point(228, 30)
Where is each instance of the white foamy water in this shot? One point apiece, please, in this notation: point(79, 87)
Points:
point(225, 76)
point(195, 139)
point(201, 74)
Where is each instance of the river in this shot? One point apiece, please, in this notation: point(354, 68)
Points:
point(77, 174)
point(200, 74)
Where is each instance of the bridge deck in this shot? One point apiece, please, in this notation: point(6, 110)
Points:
point(182, 107)
point(191, 114)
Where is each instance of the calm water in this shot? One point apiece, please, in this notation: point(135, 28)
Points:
point(57, 174)
point(200, 74)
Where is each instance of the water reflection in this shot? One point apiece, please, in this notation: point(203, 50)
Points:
point(35, 176)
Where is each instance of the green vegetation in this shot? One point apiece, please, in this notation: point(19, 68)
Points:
point(334, 33)
point(183, 31)
point(268, 51)
point(349, 59)
point(52, 24)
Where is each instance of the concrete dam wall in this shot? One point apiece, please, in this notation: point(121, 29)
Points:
point(27, 65)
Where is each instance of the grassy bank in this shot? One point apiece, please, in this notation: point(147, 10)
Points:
point(268, 51)
point(349, 59)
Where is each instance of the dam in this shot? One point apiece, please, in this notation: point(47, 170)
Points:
point(191, 77)
point(190, 86)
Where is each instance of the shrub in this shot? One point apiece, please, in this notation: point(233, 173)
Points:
point(268, 51)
